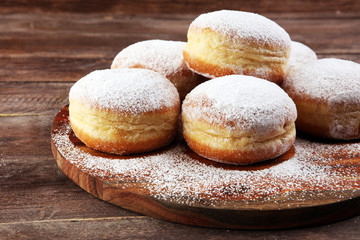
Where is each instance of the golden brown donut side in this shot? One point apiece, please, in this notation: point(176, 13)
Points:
point(202, 67)
point(213, 55)
point(232, 150)
point(235, 146)
point(317, 117)
point(327, 95)
point(123, 133)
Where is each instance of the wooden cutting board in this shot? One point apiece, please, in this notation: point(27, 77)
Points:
point(313, 183)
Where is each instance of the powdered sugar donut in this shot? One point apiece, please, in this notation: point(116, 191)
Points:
point(327, 97)
point(238, 119)
point(300, 54)
point(233, 42)
point(162, 56)
point(124, 111)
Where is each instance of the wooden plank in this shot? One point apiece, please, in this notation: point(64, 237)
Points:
point(18, 98)
point(92, 36)
point(130, 227)
point(49, 69)
point(50, 198)
point(194, 6)
point(82, 36)
point(53, 48)
point(31, 185)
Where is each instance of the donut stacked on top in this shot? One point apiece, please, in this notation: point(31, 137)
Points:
point(233, 42)
point(241, 116)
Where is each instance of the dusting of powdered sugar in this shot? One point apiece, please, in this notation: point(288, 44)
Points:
point(161, 56)
point(325, 79)
point(244, 26)
point(241, 102)
point(174, 174)
point(300, 54)
point(127, 90)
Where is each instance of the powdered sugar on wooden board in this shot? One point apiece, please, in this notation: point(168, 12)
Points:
point(162, 56)
point(127, 90)
point(174, 174)
point(326, 79)
point(245, 26)
point(241, 102)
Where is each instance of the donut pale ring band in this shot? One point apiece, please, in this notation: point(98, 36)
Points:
point(327, 96)
point(238, 120)
point(300, 54)
point(161, 56)
point(233, 42)
point(124, 111)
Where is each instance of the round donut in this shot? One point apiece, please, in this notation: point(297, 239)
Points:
point(300, 54)
point(238, 119)
point(234, 42)
point(161, 56)
point(327, 96)
point(124, 111)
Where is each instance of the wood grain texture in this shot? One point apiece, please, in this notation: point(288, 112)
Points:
point(31, 186)
point(53, 48)
point(97, 35)
point(194, 6)
point(32, 98)
point(304, 206)
point(132, 227)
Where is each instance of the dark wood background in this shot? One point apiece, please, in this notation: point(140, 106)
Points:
point(46, 45)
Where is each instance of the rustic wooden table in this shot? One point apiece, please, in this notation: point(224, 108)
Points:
point(45, 46)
